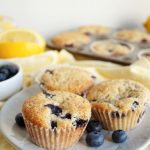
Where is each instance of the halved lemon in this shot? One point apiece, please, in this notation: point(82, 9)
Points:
point(20, 43)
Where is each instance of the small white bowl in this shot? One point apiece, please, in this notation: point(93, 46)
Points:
point(12, 85)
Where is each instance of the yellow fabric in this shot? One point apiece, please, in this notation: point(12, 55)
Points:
point(139, 71)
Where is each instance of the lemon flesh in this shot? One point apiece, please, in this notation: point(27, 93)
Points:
point(20, 43)
point(147, 24)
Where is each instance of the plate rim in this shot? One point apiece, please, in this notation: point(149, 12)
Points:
point(2, 109)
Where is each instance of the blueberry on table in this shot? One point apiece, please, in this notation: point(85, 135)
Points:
point(2, 77)
point(94, 125)
point(94, 139)
point(119, 136)
point(19, 120)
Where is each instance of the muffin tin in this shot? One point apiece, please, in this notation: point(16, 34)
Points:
point(127, 59)
point(144, 43)
point(144, 53)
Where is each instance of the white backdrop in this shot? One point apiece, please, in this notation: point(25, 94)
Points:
point(51, 16)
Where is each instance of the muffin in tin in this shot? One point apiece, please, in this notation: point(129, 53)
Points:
point(134, 36)
point(70, 40)
point(110, 48)
point(95, 30)
point(65, 78)
point(56, 120)
point(118, 104)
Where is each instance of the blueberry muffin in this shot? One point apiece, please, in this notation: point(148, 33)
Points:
point(70, 40)
point(118, 104)
point(95, 30)
point(110, 48)
point(56, 120)
point(135, 36)
point(69, 79)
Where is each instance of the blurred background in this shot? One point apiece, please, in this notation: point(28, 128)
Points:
point(52, 16)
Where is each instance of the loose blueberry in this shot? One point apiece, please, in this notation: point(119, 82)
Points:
point(3, 77)
point(94, 125)
point(11, 68)
point(119, 136)
point(94, 139)
point(19, 120)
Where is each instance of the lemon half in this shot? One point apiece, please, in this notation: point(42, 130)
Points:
point(20, 43)
point(147, 24)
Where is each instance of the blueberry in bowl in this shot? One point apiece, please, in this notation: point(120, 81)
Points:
point(11, 79)
point(7, 71)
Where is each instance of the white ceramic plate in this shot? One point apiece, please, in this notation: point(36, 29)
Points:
point(138, 138)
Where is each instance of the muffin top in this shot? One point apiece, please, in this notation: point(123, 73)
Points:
point(94, 30)
point(119, 95)
point(57, 110)
point(109, 48)
point(70, 40)
point(133, 36)
point(69, 79)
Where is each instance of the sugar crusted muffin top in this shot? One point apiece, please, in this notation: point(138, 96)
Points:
point(109, 48)
point(70, 40)
point(69, 79)
point(119, 95)
point(57, 110)
point(94, 29)
point(133, 36)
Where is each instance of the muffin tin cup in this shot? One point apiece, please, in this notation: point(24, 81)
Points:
point(143, 53)
point(119, 121)
point(129, 46)
point(140, 45)
point(54, 139)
